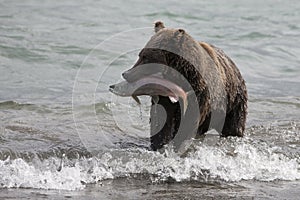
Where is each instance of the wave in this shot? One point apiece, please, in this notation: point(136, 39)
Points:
point(13, 105)
point(229, 160)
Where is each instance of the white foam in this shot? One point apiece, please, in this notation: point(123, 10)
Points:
point(245, 163)
point(226, 160)
point(18, 173)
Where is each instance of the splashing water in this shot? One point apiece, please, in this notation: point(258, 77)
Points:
point(230, 160)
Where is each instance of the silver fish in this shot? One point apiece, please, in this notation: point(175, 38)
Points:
point(153, 86)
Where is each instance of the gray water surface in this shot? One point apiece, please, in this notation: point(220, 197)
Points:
point(43, 45)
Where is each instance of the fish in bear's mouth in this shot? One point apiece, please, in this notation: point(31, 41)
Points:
point(170, 98)
point(153, 86)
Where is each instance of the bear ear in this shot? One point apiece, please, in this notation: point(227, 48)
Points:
point(181, 31)
point(158, 25)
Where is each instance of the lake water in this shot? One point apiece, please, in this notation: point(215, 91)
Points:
point(63, 135)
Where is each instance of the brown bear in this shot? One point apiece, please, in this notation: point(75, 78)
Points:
point(219, 95)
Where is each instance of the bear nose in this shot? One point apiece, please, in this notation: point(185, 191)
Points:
point(112, 86)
